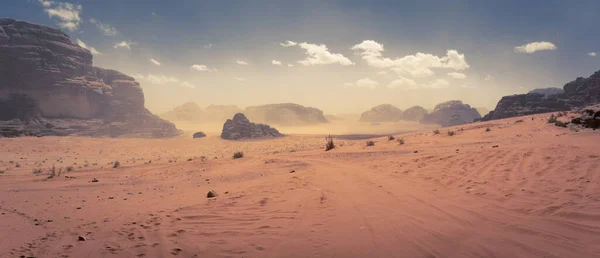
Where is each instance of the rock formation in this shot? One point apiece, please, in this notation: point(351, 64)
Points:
point(286, 114)
point(548, 91)
point(415, 113)
point(579, 93)
point(54, 80)
point(451, 113)
point(188, 112)
point(240, 128)
point(381, 113)
point(198, 135)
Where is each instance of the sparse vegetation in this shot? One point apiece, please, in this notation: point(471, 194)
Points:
point(451, 133)
point(70, 168)
point(552, 119)
point(1, 171)
point(488, 129)
point(53, 172)
point(519, 121)
point(401, 141)
point(561, 124)
point(238, 155)
point(37, 171)
point(116, 164)
point(330, 145)
point(436, 131)
point(17, 165)
point(391, 138)
point(370, 143)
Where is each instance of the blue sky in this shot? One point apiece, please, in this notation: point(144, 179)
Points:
point(347, 77)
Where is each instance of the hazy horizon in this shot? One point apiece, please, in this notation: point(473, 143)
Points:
point(339, 56)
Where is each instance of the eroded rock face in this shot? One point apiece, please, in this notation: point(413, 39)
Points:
point(415, 113)
point(548, 91)
point(382, 113)
point(579, 93)
point(43, 64)
point(190, 112)
point(286, 114)
point(451, 113)
point(241, 128)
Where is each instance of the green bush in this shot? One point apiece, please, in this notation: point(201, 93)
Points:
point(436, 131)
point(451, 133)
point(401, 141)
point(370, 143)
point(487, 129)
point(552, 119)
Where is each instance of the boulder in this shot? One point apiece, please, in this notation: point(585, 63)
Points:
point(415, 113)
point(576, 94)
point(241, 128)
point(286, 114)
point(451, 113)
point(381, 113)
point(53, 81)
point(198, 135)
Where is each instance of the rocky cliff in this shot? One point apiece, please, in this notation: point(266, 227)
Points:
point(285, 114)
point(381, 113)
point(579, 93)
point(451, 113)
point(240, 128)
point(415, 113)
point(65, 90)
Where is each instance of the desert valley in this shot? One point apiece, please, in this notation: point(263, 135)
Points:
point(88, 170)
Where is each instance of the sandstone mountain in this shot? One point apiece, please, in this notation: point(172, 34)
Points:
point(190, 112)
point(285, 114)
point(415, 113)
point(451, 113)
point(241, 128)
point(548, 91)
point(579, 93)
point(54, 80)
point(381, 113)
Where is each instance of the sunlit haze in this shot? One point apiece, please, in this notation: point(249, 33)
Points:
point(338, 56)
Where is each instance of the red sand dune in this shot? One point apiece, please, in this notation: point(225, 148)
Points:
point(537, 194)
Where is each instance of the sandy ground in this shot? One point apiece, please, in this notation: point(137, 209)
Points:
point(527, 189)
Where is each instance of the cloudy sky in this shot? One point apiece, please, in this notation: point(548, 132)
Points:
point(339, 56)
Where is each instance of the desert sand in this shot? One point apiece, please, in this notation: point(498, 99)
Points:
point(527, 189)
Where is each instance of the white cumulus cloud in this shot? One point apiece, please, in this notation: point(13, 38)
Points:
point(367, 83)
point(275, 62)
point(66, 13)
point(417, 65)
point(106, 29)
point(202, 68)
point(91, 49)
point(320, 55)
point(124, 44)
point(290, 65)
point(591, 54)
point(459, 76)
point(535, 46)
point(240, 62)
point(154, 61)
point(288, 44)
point(187, 85)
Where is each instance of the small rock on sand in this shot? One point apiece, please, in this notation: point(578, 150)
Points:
point(81, 238)
point(211, 194)
point(95, 180)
